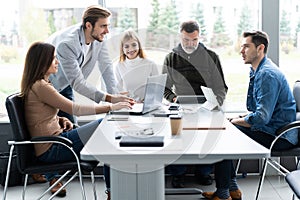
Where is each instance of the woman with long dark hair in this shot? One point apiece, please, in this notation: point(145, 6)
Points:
point(42, 103)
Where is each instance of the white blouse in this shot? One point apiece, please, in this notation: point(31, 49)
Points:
point(131, 76)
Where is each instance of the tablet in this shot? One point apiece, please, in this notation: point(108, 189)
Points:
point(212, 102)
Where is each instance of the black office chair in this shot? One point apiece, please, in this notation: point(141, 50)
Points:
point(295, 152)
point(26, 161)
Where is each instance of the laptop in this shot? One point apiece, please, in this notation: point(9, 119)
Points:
point(154, 92)
point(211, 102)
point(190, 99)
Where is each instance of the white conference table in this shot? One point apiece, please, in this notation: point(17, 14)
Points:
point(137, 173)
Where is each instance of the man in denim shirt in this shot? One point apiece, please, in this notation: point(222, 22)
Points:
point(271, 105)
point(269, 98)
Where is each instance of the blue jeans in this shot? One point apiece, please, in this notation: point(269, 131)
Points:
point(266, 139)
point(203, 170)
point(59, 153)
point(68, 93)
point(176, 170)
point(224, 173)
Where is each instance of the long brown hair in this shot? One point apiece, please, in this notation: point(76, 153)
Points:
point(37, 62)
point(129, 34)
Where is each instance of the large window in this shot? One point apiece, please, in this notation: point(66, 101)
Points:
point(222, 22)
point(289, 42)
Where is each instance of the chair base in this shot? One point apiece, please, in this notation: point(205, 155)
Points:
point(293, 179)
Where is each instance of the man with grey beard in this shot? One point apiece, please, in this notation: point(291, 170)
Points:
point(189, 66)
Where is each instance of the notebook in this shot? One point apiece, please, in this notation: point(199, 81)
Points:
point(154, 92)
point(131, 141)
point(211, 100)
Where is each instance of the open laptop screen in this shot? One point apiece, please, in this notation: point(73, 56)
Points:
point(154, 92)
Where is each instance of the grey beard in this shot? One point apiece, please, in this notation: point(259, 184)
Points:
point(190, 49)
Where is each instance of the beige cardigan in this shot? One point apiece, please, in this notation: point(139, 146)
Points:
point(41, 107)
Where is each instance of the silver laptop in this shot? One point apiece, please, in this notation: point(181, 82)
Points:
point(153, 97)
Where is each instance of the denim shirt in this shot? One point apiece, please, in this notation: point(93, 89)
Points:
point(270, 101)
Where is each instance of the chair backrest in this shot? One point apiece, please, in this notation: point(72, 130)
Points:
point(15, 109)
point(296, 93)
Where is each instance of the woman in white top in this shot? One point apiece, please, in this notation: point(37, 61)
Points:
point(133, 67)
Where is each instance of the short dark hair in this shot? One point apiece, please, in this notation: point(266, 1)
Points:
point(93, 13)
point(258, 38)
point(189, 26)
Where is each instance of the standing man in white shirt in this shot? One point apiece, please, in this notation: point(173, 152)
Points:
point(79, 48)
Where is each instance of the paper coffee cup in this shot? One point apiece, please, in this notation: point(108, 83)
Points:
point(176, 124)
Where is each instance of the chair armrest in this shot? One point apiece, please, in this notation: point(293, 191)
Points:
point(284, 129)
point(52, 139)
point(44, 139)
